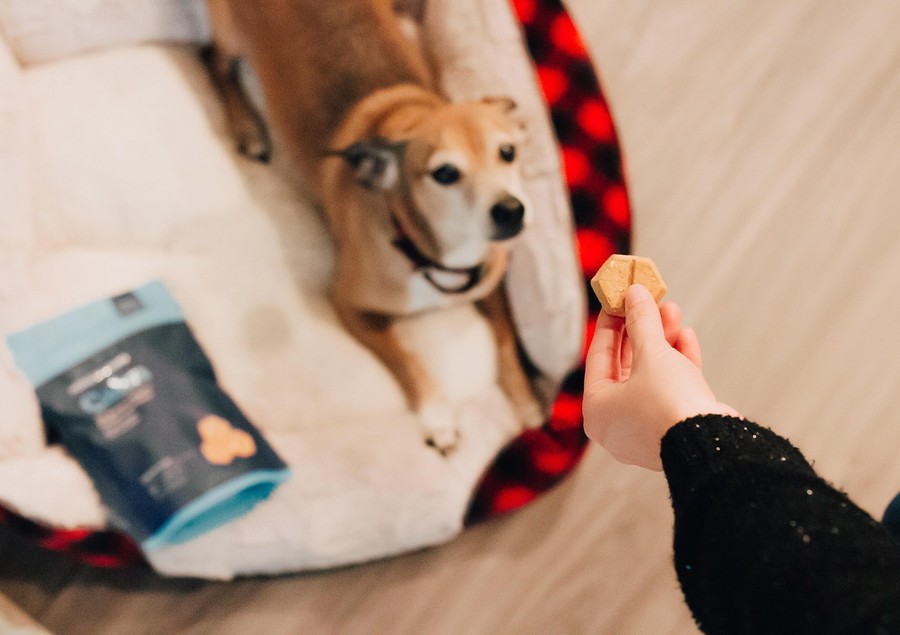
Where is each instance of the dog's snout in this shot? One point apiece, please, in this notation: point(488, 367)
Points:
point(508, 215)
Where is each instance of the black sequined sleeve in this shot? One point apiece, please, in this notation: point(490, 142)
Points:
point(763, 545)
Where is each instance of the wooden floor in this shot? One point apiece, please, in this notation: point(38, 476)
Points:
point(763, 151)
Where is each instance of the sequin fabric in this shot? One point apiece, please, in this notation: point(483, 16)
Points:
point(764, 545)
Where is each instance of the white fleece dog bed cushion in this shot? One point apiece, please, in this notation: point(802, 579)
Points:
point(115, 168)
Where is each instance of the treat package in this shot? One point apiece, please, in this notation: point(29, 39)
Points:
point(127, 390)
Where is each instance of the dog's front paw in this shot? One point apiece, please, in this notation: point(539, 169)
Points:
point(438, 423)
point(529, 412)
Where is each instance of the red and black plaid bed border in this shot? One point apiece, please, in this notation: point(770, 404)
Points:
point(95, 548)
point(538, 459)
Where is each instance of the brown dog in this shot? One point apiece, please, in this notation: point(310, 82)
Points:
point(422, 195)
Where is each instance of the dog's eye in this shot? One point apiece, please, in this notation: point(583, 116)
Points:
point(507, 153)
point(446, 174)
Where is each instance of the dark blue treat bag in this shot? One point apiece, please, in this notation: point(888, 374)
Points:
point(125, 387)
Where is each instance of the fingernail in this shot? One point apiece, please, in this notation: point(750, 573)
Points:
point(636, 293)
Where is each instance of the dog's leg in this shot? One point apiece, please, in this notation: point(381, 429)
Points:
point(246, 124)
point(378, 334)
point(222, 57)
point(510, 374)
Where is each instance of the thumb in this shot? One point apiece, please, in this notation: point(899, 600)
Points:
point(642, 319)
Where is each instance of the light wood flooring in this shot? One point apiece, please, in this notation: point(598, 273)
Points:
point(763, 153)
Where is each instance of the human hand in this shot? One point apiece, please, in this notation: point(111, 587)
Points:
point(643, 375)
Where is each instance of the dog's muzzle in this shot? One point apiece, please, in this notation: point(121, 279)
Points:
point(508, 215)
point(431, 269)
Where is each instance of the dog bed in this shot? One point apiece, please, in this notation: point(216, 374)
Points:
point(116, 168)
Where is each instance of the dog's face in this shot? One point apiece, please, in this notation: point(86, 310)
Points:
point(455, 178)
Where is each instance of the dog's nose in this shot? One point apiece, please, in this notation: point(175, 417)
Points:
point(508, 215)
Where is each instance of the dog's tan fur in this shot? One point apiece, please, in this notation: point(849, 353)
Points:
point(342, 72)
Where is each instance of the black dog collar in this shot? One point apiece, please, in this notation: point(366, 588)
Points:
point(423, 263)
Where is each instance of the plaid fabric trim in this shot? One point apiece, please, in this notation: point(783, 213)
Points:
point(539, 459)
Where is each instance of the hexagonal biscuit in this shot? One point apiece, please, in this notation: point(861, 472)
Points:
point(618, 273)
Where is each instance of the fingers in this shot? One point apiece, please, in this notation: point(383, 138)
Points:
point(689, 346)
point(671, 319)
point(604, 354)
point(643, 321)
point(684, 340)
point(646, 325)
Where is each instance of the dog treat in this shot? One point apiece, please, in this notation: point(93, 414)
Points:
point(126, 388)
point(620, 272)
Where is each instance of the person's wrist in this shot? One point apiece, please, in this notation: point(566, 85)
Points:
point(695, 408)
point(702, 410)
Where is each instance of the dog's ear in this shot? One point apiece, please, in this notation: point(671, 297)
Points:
point(375, 162)
point(506, 104)
point(509, 107)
